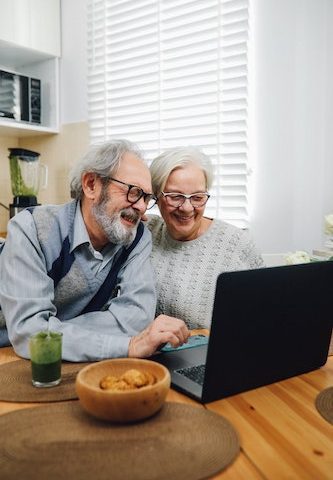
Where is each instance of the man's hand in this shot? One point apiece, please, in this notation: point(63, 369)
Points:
point(163, 329)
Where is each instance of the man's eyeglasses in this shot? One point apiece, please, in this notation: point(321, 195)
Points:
point(177, 199)
point(134, 194)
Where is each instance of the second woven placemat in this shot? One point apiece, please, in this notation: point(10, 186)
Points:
point(324, 404)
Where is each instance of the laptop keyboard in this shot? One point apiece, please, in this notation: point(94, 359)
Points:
point(195, 373)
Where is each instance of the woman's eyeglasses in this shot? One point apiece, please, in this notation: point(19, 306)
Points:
point(134, 194)
point(177, 199)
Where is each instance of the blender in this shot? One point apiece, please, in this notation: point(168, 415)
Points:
point(27, 176)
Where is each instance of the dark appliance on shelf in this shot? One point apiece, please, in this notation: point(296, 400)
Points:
point(20, 97)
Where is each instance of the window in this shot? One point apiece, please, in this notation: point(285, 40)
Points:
point(167, 73)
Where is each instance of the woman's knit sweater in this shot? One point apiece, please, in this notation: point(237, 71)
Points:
point(186, 272)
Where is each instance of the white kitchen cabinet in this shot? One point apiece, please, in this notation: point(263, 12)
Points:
point(45, 26)
point(14, 24)
point(32, 24)
point(30, 39)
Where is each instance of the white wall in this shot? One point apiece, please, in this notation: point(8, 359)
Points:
point(293, 162)
point(293, 167)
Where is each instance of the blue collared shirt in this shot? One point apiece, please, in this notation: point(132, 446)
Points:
point(97, 260)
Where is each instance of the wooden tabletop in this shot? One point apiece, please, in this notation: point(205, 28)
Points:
point(282, 435)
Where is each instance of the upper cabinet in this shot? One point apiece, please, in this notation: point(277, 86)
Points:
point(30, 44)
point(33, 24)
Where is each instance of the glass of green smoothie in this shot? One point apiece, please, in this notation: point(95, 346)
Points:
point(45, 356)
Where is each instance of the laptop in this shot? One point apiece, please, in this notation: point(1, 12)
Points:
point(267, 325)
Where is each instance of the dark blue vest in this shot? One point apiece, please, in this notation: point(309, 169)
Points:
point(63, 263)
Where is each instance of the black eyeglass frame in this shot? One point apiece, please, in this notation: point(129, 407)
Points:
point(147, 197)
point(185, 197)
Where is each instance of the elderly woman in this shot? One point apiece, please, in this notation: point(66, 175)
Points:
point(189, 249)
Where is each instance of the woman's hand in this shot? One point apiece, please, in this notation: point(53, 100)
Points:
point(163, 329)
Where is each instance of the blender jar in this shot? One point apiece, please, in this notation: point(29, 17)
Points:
point(27, 175)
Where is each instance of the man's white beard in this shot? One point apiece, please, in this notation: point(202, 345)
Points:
point(112, 225)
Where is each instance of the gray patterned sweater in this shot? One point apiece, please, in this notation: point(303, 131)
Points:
point(186, 272)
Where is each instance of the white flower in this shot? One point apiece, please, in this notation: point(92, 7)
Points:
point(329, 224)
point(298, 257)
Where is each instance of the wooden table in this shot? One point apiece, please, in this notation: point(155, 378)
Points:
point(282, 434)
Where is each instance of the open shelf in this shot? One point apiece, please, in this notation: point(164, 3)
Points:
point(35, 64)
point(12, 128)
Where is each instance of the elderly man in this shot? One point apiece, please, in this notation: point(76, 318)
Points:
point(83, 268)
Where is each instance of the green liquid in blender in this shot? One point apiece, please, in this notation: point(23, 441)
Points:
point(18, 186)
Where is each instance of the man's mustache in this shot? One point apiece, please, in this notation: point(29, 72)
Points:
point(130, 215)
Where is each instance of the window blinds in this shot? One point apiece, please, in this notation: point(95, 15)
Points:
point(167, 73)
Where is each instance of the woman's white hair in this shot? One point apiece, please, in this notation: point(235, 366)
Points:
point(166, 162)
point(102, 159)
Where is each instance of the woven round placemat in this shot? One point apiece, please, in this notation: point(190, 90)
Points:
point(16, 386)
point(324, 404)
point(61, 441)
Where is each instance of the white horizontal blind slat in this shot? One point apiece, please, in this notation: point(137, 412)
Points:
point(166, 73)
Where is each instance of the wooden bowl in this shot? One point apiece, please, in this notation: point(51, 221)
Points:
point(125, 405)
